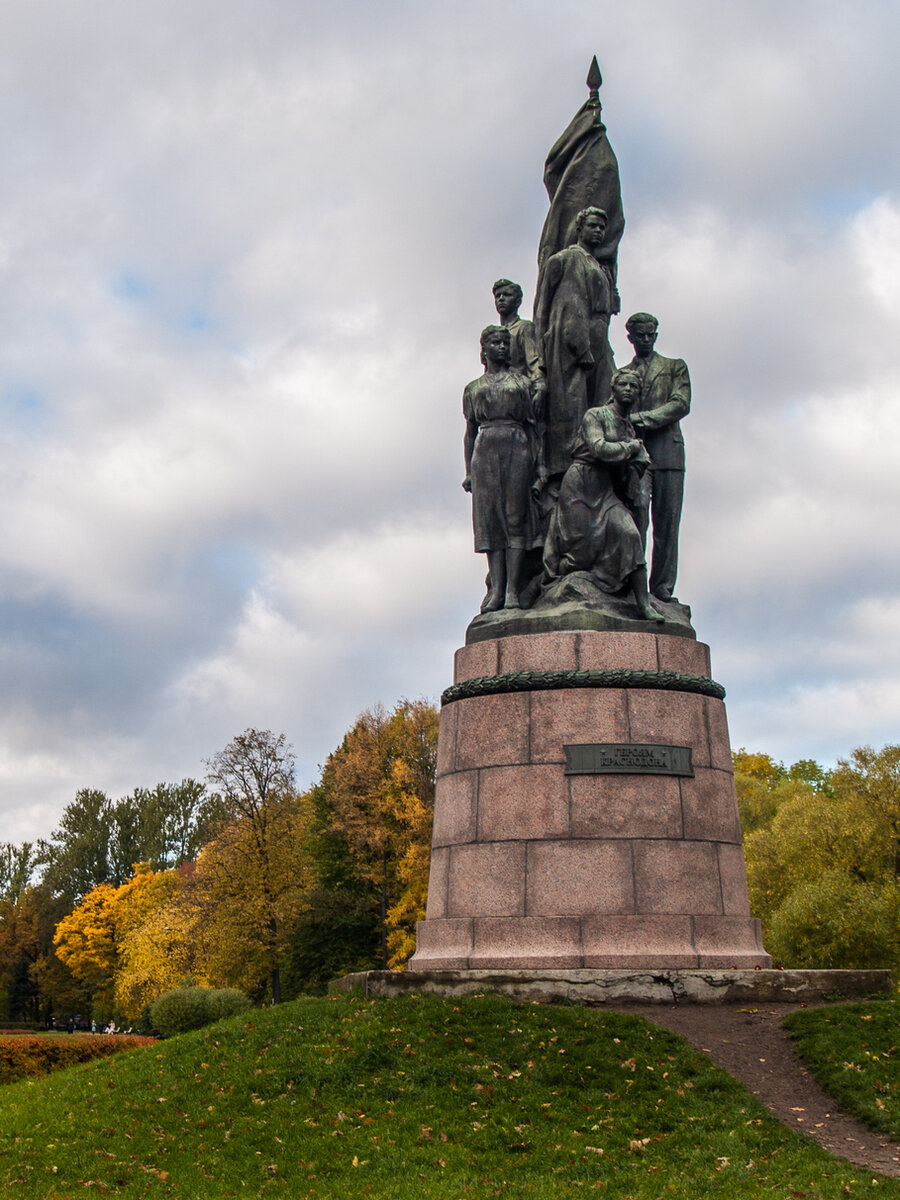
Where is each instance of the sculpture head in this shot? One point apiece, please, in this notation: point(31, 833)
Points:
point(507, 297)
point(495, 346)
point(642, 329)
point(626, 386)
point(590, 226)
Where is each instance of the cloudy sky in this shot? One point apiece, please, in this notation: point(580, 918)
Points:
point(246, 250)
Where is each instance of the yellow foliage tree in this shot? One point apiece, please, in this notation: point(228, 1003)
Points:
point(248, 892)
point(160, 942)
point(90, 938)
point(380, 791)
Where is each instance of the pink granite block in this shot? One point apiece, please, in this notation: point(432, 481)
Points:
point(574, 716)
point(683, 655)
point(719, 742)
point(677, 877)
point(442, 945)
point(710, 807)
point(579, 878)
point(526, 942)
point(538, 652)
point(625, 806)
point(612, 650)
point(734, 881)
point(438, 875)
point(725, 942)
point(638, 941)
point(669, 719)
point(446, 747)
point(523, 802)
point(454, 808)
point(487, 880)
point(472, 662)
point(492, 730)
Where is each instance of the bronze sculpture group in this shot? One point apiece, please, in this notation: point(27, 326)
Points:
point(570, 462)
point(566, 455)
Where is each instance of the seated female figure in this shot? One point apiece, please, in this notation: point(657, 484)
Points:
point(593, 528)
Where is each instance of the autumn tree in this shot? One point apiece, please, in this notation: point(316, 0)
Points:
point(823, 860)
point(85, 941)
point(160, 940)
point(379, 789)
point(255, 867)
point(94, 939)
point(166, 942)
point(31, 977)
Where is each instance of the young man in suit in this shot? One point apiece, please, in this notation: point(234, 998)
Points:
point(665, 398)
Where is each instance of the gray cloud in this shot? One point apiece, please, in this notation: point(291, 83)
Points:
point(246, 253)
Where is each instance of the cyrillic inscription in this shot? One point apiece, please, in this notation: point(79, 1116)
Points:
point(609, 758)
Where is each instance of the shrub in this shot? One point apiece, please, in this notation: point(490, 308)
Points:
point(22, 1057)
point(183, 1009)
point(836, 921)
point(227, 1002)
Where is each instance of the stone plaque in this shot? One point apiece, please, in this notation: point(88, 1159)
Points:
point(610, 758)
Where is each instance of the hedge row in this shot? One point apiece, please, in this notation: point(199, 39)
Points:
point(22, 1057)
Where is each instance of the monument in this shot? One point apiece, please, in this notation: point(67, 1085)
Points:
point(585, 814)
point(586, 841)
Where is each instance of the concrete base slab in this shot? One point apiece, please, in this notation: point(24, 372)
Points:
point(598, 987)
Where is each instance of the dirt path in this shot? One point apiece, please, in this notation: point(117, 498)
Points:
point(752, 1046)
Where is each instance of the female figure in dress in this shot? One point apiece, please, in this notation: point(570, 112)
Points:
point(501, 452)
point(593, 528)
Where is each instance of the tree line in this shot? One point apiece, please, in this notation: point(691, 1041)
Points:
point(241, 881)
point(245, 881)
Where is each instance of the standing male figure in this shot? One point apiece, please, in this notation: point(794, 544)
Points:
point(665, 398)
point(523, 349)
point(571, 317)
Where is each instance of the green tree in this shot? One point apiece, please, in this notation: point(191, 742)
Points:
point(99, 840)
point(823, 865)
point(77, 857)
point(337, 931)
point(17, 867)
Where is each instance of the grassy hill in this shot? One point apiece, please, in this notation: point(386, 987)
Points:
point(415, 1097)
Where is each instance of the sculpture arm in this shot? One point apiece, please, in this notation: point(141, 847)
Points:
point(534, 367)
point(551, 273)
point(676, 405)
point(603, 449)
point(468, 438)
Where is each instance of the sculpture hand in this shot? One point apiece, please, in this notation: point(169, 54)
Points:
point(467, 483)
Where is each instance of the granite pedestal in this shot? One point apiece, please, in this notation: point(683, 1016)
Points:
point(533, 867)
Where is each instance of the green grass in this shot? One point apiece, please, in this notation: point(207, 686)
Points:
point(854, 1052)
point(415, 1097)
